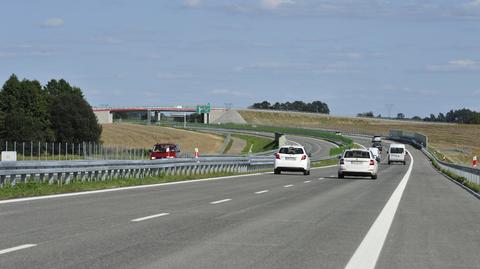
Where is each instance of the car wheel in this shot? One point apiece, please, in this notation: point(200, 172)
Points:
point(340, 175)
point(306, 172)
point(276, 171)
point(404, 162)
point(374, 176)
point(389, 162)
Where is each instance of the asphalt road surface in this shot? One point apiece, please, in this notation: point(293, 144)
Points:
point(260, 221)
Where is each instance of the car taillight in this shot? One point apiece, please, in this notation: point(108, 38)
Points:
point(342, 161)
point(304, 157)
point(372, 162)
point(277, 156)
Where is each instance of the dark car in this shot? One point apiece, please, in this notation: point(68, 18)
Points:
point(377, 145)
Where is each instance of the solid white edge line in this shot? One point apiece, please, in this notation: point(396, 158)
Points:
point(260, 192)
point(126, 188)
point(288, 186)
point(8, 250)
point(368, 252)
point(323, 167)
point(53, 196)
point(220, 201)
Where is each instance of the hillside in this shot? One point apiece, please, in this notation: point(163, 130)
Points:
point(459, 142)
point(145, 136)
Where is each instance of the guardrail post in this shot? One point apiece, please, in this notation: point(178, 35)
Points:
point(13, 180)
point(50, 178)
point(68, 178)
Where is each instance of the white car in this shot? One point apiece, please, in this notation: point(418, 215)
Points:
point(358, 162)
point(397, 153)
point(376, 153)
point(292, 158)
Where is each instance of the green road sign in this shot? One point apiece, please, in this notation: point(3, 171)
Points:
point(204, 108)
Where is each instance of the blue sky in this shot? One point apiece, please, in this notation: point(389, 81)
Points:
point(421, 56)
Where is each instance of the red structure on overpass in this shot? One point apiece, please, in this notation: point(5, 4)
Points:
point(144, 108)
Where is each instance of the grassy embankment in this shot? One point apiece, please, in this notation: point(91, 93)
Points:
point(256, 144)
point(458, 142)
point(145, 136)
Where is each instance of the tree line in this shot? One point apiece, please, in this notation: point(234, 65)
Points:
point(315, 106)
point(56, 112)
point(464, 115)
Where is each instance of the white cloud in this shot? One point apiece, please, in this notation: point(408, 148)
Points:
point(273, 4)
point(53, 22)
point(455, 66)
point(474, 4)
point(107, 40)
point(192, 3)
point(300, 67)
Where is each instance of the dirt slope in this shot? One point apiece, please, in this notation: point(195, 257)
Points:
point(144, 136)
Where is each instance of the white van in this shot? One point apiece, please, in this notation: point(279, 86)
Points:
point(397, 153)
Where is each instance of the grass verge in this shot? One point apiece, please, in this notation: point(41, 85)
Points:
point(336, 151)
point(229, 146)
point(323, 163)
point(31, 189)
point(474, 187)
point(255, 143)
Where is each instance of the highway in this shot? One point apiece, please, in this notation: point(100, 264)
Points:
point(256, 221)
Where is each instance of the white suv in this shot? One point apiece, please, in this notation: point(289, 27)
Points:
point(358, 162)
point(292, 158)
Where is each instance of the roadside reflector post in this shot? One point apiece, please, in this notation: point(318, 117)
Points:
point(196, 153)
point(474, 162)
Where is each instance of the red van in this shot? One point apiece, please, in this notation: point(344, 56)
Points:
point(162, 151)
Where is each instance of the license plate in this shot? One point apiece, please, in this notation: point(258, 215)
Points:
point(290, 158)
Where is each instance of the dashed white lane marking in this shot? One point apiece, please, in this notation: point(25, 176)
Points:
point(321, 178)
point(307, 181)
point(150, 217)
point(17, 248)
point(367, 253)
point(260, 192)
point(288, 186)
point(220, 201)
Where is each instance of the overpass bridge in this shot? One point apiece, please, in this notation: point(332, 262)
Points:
point(105, 114)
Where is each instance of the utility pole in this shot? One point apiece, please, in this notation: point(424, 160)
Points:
point(389, 110)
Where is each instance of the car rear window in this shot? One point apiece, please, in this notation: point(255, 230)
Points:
point(357, 154)
point(291, 150)
point(396, 150)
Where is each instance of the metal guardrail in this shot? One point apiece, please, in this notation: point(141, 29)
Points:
point(64, 172)
point(470, 174)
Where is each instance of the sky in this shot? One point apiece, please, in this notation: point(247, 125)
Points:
point(418, 57)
